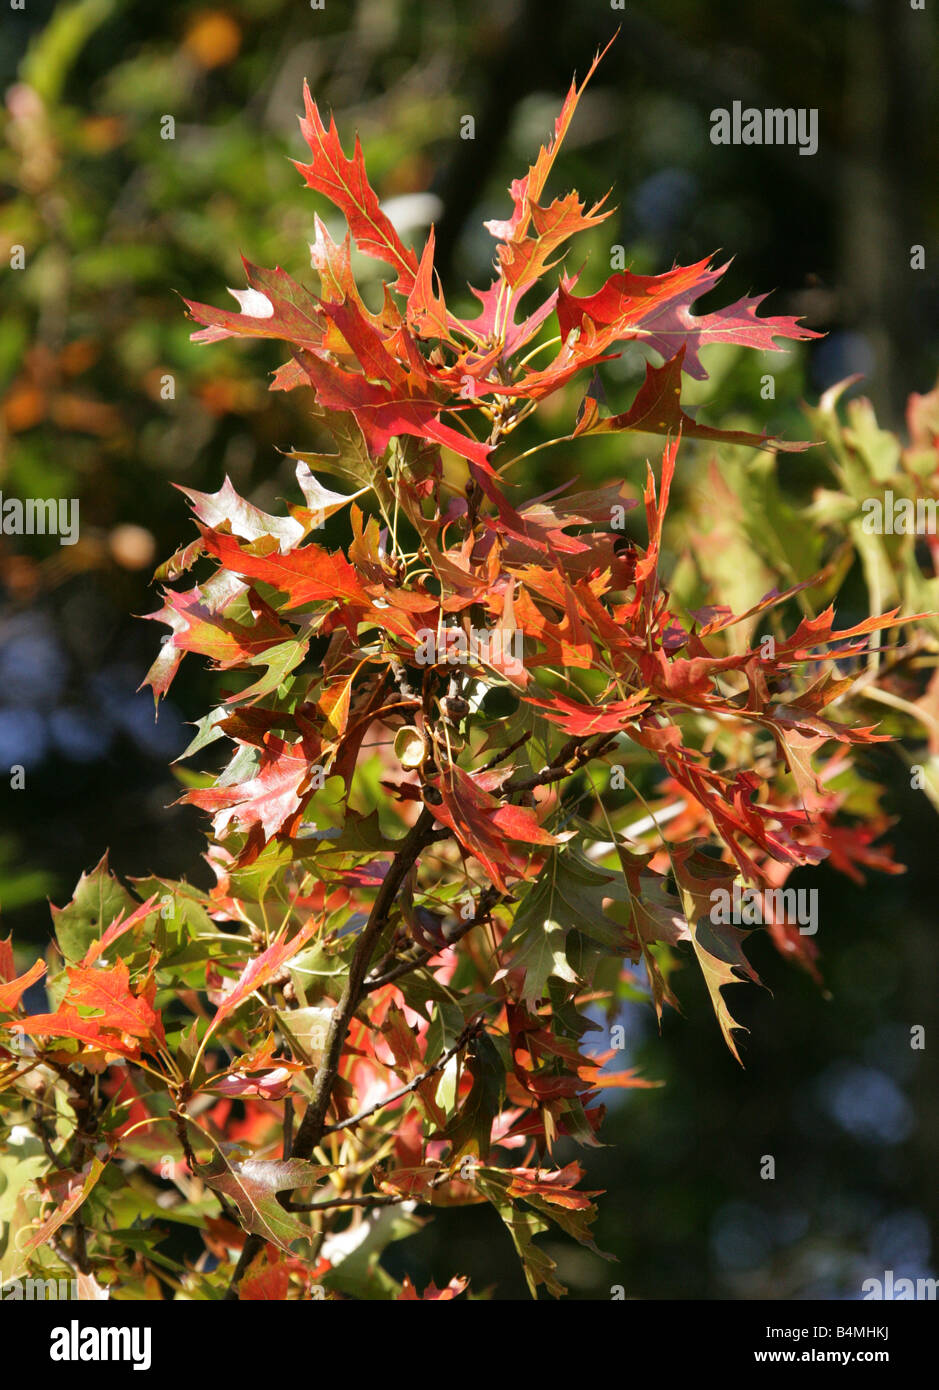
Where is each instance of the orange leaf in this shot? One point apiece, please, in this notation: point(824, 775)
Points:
point(69, 1191)
point(123, 1022)
point(12, 992)
point(258, 971)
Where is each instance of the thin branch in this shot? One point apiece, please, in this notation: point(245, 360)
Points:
point(370, 1199)
point(571, 758)
point(470, 1031)
point(500, 757)
point(311, 1129)
point(404, 685)
point(487, 902)
point(310, 1132)
point(180, 1118)
point(65, 1257)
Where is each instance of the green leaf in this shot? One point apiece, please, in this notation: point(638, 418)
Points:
point(184, 916)
point(356, 1256)
point(280, 660)
point(359, 835)
point(22, 1161)
point(718, 947)
point(569, 894)
point(352, 463)
point(98, 899)
point(253, 1184)
point(542, 954)
point(471, 1129)
point(523, 1226)
point(207, 731)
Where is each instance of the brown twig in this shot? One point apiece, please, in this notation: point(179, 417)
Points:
point(501, 756)
point(571, 758)
point(487, 902)
point(181, 1119)
point(468, 1032)
point(311, 1128)
point(288, 1126)
point(370, 1199)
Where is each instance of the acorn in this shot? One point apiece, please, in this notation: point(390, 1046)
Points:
point(455, 708)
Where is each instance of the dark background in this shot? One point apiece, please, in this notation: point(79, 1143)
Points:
point(114, 220)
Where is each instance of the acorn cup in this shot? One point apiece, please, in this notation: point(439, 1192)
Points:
point(410, 747)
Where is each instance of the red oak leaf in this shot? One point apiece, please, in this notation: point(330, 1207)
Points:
point(306, 575)
point(259, 970)
point(483, 825)
point(118, 928)
point(274, 306)
point(657, 409)
point(122, 1021)
point(344, 182)
point(655, 309)
point(270, 801)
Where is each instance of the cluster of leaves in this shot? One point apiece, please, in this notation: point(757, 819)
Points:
point(423, 906)
point(746, 531)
